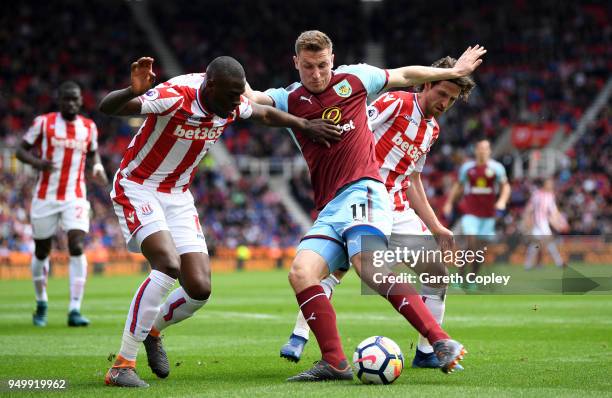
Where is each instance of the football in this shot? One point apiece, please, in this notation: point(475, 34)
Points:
point(378, 360)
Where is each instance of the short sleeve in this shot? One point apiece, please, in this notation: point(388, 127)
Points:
point(35, 130)
point(93, 144)
point(280, 96)
point(245, 109)
point(383, 109)
point(374, 79)
point(500, 173)
point(463, 173)
point(160, 100)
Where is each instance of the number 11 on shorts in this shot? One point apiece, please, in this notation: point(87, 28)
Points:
point(359, 211)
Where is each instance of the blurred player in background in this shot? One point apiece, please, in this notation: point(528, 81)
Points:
point(542, 212)
point(59, 145)
point(185, 117)
point(405, 128)
point(349, 193)
point(485, 189)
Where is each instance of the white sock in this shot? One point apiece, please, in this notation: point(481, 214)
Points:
point(40, 270)
point(78, 276)
point(435, 301)
point(177, 307)
point(554, 252)
point(532, 253)
point(143, 310)
point(301, 326)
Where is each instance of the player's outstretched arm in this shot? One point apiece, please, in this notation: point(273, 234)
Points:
point(318, 130)
point(257, 96)
point(125, 102)
point(416, 75)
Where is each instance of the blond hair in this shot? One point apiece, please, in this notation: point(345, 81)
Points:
point(466, 83)
point(312, 40)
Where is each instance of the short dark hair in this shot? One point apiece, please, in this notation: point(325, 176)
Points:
point(68, 85)
point(225, 67)
point(466, 83)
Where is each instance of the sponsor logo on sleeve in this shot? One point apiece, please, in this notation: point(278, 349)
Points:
point(151, 95)
point(372, 112)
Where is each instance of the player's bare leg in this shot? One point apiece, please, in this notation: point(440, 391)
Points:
point(292, 350)
point(307, 270)
point(159, 250)
point(180, 304)
point(409, 304)
point(78, 276)
point(40, 271)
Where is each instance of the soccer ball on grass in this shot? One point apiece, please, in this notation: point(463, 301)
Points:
point(378, 360)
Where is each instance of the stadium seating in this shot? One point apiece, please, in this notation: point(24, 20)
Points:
point(517, 83)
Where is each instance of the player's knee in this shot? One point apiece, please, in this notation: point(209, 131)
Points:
point(75, 247)
point(300, 277)
point(42, 249)
point(42, 253)
point(166, 262)
point(199, 288)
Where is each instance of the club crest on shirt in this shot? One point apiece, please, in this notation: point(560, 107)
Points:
point(146, 209)
point(489, 173)
point(343, 89)
point(152, 94)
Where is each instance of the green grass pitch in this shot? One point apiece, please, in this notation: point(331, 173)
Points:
point(536, 346)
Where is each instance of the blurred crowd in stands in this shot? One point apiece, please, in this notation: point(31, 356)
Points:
point(547, 61)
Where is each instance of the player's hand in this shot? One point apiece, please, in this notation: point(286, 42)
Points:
point(43, 165)
point(322, 131)
point(445, 238)
point(99, 175)
point(500, 210)
point(469, 60)
point(142, 77)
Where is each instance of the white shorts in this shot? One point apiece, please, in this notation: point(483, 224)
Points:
point(407, 222)
point(46, 215)
point(410, 232)
point(142, 211)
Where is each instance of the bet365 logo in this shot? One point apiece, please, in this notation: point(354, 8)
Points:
point(200, 133)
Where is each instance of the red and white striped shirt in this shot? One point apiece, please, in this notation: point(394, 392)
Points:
point(403, 137)
point(175, 136)
point(66, 144)
point(544, 207)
